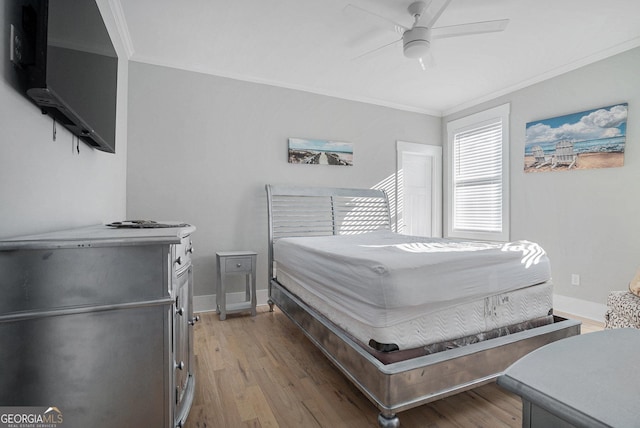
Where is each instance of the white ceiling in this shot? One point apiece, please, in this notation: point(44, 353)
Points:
point(310, 45)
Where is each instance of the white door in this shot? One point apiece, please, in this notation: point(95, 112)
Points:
point(419, 189)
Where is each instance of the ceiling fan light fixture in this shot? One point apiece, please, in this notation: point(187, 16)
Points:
point(416, 42)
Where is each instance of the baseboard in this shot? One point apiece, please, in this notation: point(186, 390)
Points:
point(207, 302)
point(582, 308)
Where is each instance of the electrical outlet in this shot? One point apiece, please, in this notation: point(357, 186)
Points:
point(575, 279)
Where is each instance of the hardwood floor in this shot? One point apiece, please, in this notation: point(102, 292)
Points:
point(263, 372)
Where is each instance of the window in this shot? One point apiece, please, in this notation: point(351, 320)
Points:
point(478, 149)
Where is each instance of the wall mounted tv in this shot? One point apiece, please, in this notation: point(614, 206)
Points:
point(67, 65)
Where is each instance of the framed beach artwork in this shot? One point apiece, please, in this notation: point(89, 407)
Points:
point(320, 152)
point(585, 140)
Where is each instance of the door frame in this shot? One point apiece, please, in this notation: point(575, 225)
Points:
point(435, 152)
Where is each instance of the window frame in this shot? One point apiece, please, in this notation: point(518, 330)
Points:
point(464, 124)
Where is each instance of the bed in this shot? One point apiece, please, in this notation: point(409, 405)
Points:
point(408, 320)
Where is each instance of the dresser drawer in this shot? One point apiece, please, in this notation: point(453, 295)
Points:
point(182, 254)
point(237, 264)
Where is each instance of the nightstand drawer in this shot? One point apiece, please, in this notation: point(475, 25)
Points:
point(237, 264)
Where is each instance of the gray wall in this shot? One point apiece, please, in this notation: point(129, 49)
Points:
point(45, 185)
point(202, 148)
point(586, 220)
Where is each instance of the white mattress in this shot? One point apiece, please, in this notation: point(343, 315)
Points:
point(382, 279)
point(461, 320)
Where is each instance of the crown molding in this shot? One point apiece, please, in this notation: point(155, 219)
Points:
point(252, 79)
point(117, 18)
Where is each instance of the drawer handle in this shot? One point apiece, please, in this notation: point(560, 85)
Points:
point(194, 320)
point(180, 311)
point(179, 260)
point(180, 365)
point(238, 265)
point(190, 250)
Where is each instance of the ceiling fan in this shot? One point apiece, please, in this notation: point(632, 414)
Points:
point(416, 40)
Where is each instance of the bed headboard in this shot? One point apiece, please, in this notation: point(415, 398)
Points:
point(322, 211)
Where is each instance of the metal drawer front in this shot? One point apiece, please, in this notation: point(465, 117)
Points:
point(182, 254)
point(238, 264)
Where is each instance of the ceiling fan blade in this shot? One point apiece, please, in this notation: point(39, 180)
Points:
point(432, 13)
point(469, 29)
point(356, 12)
point(378, 49)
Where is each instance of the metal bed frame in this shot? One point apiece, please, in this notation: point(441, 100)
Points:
point(315, 211)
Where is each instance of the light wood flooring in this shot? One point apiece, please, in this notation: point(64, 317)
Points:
point(263, 372)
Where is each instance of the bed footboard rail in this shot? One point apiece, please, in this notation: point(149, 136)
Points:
point(406, 384)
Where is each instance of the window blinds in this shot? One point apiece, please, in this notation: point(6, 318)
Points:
point(477, 178)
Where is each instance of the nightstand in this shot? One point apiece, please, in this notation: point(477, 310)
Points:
point(236, 263)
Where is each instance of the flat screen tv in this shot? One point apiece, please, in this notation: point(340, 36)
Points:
point(67, 65)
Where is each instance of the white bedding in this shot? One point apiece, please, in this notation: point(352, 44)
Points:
point(383, 279)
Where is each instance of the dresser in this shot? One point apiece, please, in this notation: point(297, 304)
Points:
point(98, 323)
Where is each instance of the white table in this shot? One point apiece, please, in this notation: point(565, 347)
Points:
point(590, 380)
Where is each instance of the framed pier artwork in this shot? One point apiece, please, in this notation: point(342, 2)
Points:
point(320, 152)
